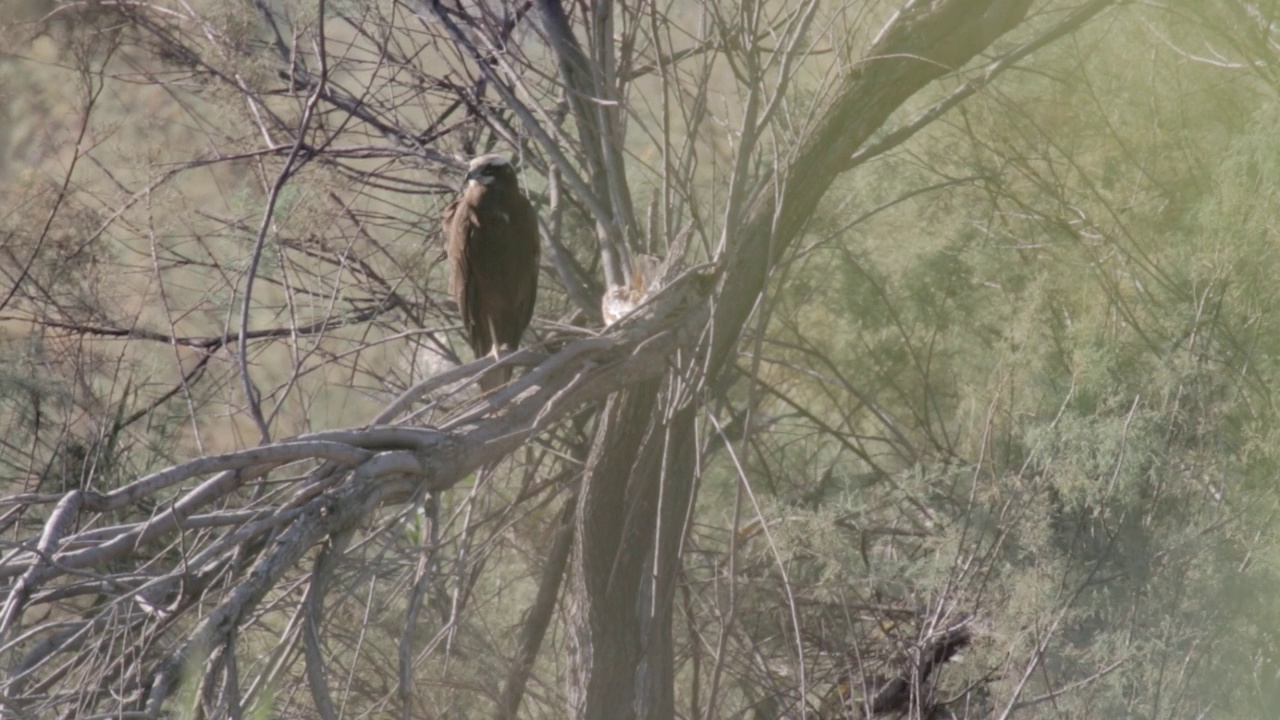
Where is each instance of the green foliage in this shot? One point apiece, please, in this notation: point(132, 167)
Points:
point(1061, 369)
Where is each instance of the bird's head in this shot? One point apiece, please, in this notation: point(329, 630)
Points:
point(489, 170)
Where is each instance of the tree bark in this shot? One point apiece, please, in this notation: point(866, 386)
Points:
point(605, 640)
point(639, 495)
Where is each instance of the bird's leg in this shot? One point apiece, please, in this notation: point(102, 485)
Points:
point(493, 338)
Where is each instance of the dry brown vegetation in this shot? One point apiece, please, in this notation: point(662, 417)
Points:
point(961, 341)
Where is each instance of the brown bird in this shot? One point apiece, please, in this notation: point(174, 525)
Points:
point(491, 236)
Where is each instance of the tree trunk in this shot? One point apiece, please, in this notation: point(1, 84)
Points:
point(635, 491)
point(639, 481)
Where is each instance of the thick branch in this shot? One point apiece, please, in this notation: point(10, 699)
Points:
point(383, 464)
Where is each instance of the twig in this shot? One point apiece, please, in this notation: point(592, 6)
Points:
point(295, 155)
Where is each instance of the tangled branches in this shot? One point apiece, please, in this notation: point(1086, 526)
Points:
point(109, 610)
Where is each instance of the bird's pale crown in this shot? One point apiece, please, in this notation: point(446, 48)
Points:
point(476, 168)
point(486, 160)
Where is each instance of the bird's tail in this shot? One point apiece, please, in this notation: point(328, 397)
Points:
point(493, 379)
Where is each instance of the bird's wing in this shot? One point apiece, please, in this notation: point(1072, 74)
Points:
point(446, 219)
point(452, 247)
point(524, 276)
point(461, 230)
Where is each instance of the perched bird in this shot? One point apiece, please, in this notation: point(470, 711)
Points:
point(491, 236)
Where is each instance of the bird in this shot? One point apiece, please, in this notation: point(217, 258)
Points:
point(491, 240)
